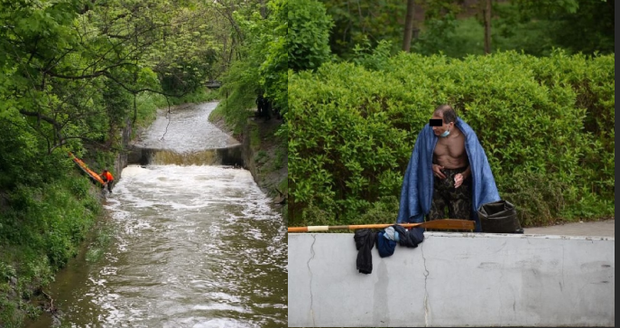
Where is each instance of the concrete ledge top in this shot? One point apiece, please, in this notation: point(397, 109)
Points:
point(481, 235)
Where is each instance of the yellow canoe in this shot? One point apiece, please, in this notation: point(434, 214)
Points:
point(85, 168)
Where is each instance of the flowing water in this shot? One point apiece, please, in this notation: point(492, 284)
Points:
point(185, 131)
point(193, 246)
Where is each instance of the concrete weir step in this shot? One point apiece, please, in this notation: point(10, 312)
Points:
point(232, 155)
point(453, 279)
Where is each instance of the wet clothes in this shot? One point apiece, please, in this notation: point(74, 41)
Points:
point(385, 245)
point(364, 242)
point(418, 183)
point(458, 200)
point(107, 176)
point(409, 238)
point(391, 234)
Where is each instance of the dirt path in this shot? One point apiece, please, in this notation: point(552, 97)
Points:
point(591, 229)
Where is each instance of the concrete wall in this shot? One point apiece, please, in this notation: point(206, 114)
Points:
point(453, 279)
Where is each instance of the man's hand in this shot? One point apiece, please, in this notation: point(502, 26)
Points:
point(458, 180)
point(437, 171)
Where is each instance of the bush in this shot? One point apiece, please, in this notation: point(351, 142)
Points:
point(543, 122)
point(308, 35)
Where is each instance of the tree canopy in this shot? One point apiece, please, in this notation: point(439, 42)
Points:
point(456, 27)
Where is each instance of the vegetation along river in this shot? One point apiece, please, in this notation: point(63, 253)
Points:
point(193, 245)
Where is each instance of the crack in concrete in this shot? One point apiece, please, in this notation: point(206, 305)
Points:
point(426, 273)
point(563, 261)
point(310, 271)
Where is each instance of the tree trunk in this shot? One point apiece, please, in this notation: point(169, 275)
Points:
point(263, 9)
point(487, 27)
point(408, 26)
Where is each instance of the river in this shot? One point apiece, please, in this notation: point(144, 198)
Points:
point(194, 245)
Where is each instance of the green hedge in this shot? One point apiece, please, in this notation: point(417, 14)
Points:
point(546, 125)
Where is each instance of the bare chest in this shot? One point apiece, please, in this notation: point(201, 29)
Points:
point(451, 147)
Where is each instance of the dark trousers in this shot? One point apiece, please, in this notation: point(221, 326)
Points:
point(109, 185)
point(457, 200)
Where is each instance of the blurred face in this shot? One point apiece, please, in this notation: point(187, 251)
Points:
point(438, 130)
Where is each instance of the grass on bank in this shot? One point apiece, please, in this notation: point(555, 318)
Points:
point(39, 233)
point(102, 237)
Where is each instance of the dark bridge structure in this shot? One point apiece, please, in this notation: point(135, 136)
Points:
point(213, 84)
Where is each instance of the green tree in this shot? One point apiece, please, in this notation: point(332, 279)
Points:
point(262, 62)
point(273, 70)
point(359, 22)
point(576, 25)
point(308, 35)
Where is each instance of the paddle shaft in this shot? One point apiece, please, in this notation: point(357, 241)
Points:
point(443, 224)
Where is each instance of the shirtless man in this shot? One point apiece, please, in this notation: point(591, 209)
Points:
point(447, 168)
point(452, 183)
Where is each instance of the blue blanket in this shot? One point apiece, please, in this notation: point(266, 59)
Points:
point(417, 191)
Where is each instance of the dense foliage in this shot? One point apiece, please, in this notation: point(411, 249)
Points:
point(77, 76)
point(260, 66)
point(543, 122)
point(308, 35)
point(365, 21)
point(575, 25)
point(456, 27)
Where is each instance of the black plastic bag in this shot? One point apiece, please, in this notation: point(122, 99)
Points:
point(500, 217)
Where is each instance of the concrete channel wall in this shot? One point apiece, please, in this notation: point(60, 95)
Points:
point(453, 279)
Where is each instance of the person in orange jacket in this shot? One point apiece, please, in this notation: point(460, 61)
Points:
point(108, 179)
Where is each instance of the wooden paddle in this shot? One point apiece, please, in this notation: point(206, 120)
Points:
point(443, 224)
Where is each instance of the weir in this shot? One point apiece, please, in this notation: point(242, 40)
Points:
point(232, 156)
point(184, 136)
point(453, 279)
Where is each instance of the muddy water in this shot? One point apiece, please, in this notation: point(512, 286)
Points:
point(194, 246)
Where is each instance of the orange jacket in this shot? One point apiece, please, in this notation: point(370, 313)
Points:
point(107, 176)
